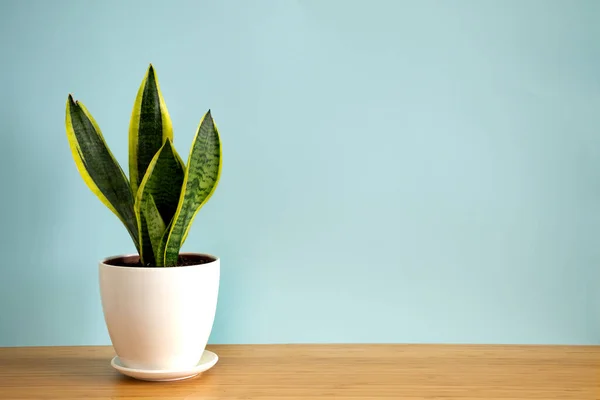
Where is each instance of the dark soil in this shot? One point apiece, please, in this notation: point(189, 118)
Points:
point(184, 260)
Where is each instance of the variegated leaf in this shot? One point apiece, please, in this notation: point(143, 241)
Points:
point(98, 167)
point(149, 127)
point(202, 174)
point(162, 185)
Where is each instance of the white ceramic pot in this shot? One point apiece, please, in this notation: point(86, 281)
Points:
point(159, 318)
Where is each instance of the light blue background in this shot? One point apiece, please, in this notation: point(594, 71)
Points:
point(394, 171)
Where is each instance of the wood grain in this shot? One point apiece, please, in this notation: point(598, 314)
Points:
point(294, 372)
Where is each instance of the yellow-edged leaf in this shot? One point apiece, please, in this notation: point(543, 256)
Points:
point(98, 167)
point(202, 175)
point(162, 185)
point(149, 127)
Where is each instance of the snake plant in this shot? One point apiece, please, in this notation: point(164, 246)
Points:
point(163, 194)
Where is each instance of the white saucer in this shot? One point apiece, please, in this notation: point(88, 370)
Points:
point(207, 361)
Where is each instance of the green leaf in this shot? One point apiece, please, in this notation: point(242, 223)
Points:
point(201, 178)
point(146, 252)
point(162, 185)
point(155, 226)
point(150, 126)
point(163, 242)
point(98, 167)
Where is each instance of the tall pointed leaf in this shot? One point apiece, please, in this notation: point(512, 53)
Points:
point(149, 127)
point(162, 185)
point(98, 167)
point(202, 175)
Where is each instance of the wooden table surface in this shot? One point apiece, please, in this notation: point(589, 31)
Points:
point(294, 372)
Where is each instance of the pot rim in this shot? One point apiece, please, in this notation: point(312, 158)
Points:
point(104, 262)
